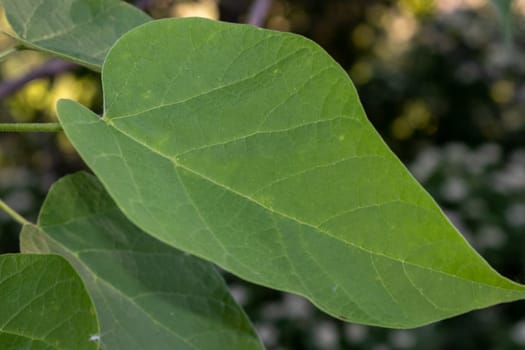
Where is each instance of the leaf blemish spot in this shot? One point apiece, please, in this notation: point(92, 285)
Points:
point(94, 338)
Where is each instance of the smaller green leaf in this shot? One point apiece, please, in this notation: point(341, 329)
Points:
point(147, 294)
point(44, 305)
point(78, 30)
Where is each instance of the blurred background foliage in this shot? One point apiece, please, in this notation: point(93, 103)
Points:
point(442, 81)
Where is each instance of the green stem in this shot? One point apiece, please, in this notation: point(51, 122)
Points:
point(9, 51)
point(30, 127)
point(13, 214)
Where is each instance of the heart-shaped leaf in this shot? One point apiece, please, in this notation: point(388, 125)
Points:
point(250, 148)
point(148, 295)
point(44, 305)
point(79, 30)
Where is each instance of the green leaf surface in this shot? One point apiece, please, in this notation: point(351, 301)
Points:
point(44, 305)
point(250, 148)
point(148, 295)
point(78, 30)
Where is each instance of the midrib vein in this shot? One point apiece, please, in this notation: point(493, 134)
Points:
point(319, 230)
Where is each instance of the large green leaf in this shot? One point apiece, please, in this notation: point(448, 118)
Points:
point(44, 305)
point(250, 148)
point(148, 295)
point(79, 30)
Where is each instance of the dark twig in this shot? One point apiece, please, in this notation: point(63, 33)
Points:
point(143, 4)
point(49, 69)
point(258, 12)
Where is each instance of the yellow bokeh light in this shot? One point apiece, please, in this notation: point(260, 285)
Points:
point(24, 104)
point(401, 128)
point(418, 7)
point(21, 63)
point(41, 95)
point(203, 8)
point(35, 93)
point(363, 36)
point(361, 72)
point(416, 115)
point(502, 91)
point(400, 27)
point(67, 85)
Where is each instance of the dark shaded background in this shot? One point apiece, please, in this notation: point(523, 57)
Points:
point(439, 82)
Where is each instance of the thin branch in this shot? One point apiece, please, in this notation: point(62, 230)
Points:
point(259, 12)
point(49, 69)
point(30, 127)
point(13, 214)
